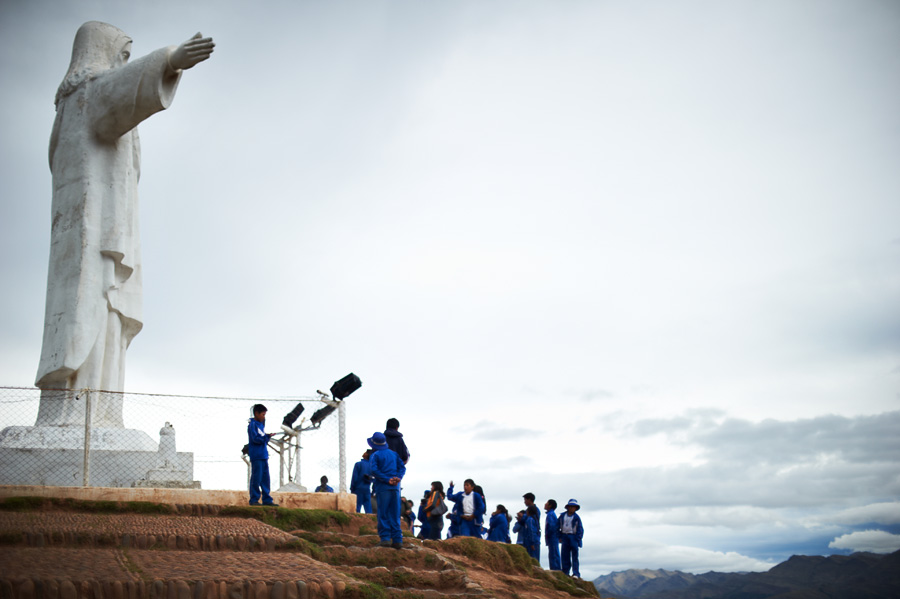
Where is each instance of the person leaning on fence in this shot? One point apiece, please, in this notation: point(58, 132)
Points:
point(361, 483)
point(571, 532)
point(324, 488)
point(387, 472)
point(258, 452)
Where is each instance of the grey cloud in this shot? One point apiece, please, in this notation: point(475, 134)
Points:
point(822, 439)
point(831, 460)
point(884, 513)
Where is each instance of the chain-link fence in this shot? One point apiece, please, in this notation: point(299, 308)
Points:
point(170, 441)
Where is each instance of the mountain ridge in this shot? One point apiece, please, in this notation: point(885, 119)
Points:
point(858, 575)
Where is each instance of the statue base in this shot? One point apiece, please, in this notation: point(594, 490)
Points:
point(119, 457)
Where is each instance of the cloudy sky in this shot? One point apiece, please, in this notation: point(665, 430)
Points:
point(643, 254)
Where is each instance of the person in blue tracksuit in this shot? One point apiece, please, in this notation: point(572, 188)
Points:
point(519, 528)
point(387, 472)
point(258, 452)
point(470, 507)
point(453, 527)
point(425, 527)
point(499, 526)
point(571, 532)
point(361, 483)
point(551, 534)
point(533, 532)
point(324, 487)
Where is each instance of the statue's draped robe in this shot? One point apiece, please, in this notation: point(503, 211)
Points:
point(94, 305)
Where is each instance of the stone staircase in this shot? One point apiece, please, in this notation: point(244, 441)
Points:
point(53, 549)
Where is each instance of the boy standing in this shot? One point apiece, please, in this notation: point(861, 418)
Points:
point(361, 483)
point(258, 451)
point(551, 534)
point(470, 507)
point(395, 439)
point(387, 472)
point(571, 532)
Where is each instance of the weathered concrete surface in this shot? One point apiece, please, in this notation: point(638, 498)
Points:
point(344, 502)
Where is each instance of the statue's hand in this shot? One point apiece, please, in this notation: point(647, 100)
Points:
point(197, 49)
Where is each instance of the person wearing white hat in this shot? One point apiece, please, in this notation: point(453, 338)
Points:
point(571, 531)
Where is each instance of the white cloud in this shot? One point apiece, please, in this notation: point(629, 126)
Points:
point(626, 554)
point(884, 513)
point(876, 541)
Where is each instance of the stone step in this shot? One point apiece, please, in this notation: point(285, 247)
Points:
point(41, 588)
point(144, 541)
point(451, 580)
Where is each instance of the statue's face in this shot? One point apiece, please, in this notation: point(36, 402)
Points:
point(124, 54)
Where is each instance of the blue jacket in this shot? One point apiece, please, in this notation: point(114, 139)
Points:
point(425, 528)
point(457, 498)
point(327, 489)
point(361, 479)
point(519, 529)
point(551, 529)
point(396, 443)
point(385, 465)
point(499, 529)
point(532, 532)
point(579, 528)
point(259, 440)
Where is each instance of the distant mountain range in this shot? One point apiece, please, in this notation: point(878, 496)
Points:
point(856, 576)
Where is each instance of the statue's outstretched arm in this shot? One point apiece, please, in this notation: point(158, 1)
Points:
point(195, 50)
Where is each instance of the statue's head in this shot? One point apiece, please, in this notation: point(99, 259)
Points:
point(98, 47)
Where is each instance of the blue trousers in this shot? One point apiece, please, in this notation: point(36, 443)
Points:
point(259, 481)
point(553, 553)
point(535, 553)
point(364, 502)
point(469, 528)
point(570, 554)
point(389, 515)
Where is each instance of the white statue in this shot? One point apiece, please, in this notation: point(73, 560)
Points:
point(93, 308)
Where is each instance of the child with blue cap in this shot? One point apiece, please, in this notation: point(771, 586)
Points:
point(571, 531)
point(387, 471)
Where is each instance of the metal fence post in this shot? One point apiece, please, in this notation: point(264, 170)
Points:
point(86, 479)
point(342, 445)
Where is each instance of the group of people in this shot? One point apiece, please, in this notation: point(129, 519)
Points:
point(383, 466)
point(376, 483)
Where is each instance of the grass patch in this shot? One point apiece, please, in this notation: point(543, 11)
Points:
point(21, 504)
point(500, 557)
point(304, 546)
point(32, 504)
point(288, 519)
point(366, 590)
point(576, 588)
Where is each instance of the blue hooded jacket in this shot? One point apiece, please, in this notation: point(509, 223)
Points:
point(259, 440)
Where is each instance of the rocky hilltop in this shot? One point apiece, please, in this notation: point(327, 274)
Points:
point(856, 576)
point(72, 549)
